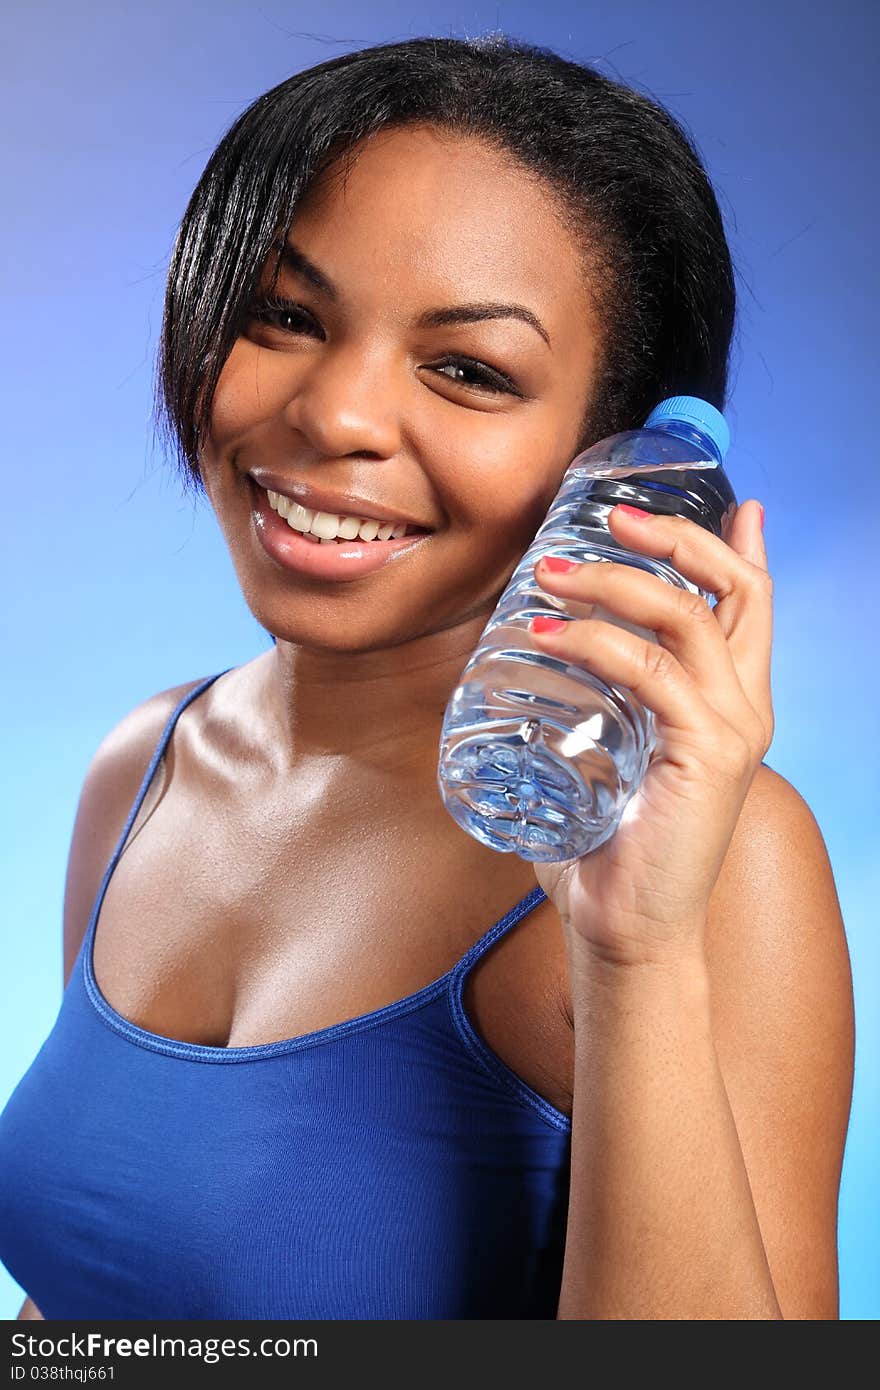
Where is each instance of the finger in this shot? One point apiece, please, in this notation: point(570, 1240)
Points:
point(746, 539)
point(746, 534)
point(738, 578)
point(651, 672)
point(751, 642)
point(683, 622)
point(699, 555)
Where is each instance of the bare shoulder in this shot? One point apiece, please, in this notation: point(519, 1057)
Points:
point(109, 788)
point(776, 893)
point(782, 1016)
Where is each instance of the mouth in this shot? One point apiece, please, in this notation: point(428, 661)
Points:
point(323, 544)
point(296, 499)
point(332, 528)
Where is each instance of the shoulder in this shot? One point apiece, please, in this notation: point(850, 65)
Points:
point(135, 734)
point(776, 888)
point(782, 1020)
point(775, 938)
point(110, 785)
point(118, 764)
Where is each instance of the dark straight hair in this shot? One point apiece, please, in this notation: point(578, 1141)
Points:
point(623, 172)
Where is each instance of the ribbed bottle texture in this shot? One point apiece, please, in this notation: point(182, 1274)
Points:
point(539, 757)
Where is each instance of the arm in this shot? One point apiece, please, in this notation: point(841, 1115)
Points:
point(29, 1312)
point(711, 990)
point(712, 1097)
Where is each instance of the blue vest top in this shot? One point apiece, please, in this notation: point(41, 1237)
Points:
point(391, 1166)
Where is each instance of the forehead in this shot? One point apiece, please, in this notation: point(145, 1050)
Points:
point(450, 210)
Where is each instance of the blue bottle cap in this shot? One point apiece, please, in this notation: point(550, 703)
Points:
point(692, 411)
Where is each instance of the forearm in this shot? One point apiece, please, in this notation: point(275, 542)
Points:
point(661, 1219)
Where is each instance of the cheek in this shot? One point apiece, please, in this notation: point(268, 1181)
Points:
point(247, 393)
point(503, 491)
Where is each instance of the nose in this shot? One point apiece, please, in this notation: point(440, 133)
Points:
point(345, 404)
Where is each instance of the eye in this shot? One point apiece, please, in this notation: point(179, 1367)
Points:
point(487, 378)
point(290, 317)
point(274, 311)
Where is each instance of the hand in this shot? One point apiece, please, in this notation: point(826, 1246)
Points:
point(645, 892)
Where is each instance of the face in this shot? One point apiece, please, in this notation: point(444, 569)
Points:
point(356, 392)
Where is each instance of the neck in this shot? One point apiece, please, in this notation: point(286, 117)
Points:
point(380, 709)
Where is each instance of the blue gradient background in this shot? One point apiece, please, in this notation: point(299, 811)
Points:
point(116, 111)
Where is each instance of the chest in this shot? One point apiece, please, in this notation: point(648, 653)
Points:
point(323, 1183)
point(241, 926)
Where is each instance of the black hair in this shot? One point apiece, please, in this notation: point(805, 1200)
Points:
point(625, 175)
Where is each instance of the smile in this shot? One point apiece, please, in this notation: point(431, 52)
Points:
point(329, 528)
point(315, 544)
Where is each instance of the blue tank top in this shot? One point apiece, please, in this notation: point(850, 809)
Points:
point(391, 1166)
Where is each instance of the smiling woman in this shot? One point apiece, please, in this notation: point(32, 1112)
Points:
point(360, 369)
point(342, 1060)
point(624, 179)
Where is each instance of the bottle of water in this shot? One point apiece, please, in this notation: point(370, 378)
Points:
point(539, 757)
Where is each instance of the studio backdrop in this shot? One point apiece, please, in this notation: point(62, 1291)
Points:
point(116, 587)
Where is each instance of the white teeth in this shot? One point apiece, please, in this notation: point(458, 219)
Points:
point(299, 518)
point(327, 526)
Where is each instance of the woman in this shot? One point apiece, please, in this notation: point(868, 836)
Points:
point(296, 1073)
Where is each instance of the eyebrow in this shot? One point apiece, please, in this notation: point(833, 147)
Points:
point(298, 262)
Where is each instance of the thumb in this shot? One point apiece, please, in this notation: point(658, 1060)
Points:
point(747, 532)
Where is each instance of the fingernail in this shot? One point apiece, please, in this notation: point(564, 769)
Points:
point(632, 511)
point(557, 565)
point(762, 515)
point(545, 624)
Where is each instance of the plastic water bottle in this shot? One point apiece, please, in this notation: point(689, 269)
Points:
point(539, 757)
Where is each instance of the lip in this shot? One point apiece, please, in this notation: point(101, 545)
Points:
point(343, 560)
point(322, 500)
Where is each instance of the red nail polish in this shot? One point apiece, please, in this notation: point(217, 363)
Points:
point(557, 565)
point(632, 511)
point(545, 624)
